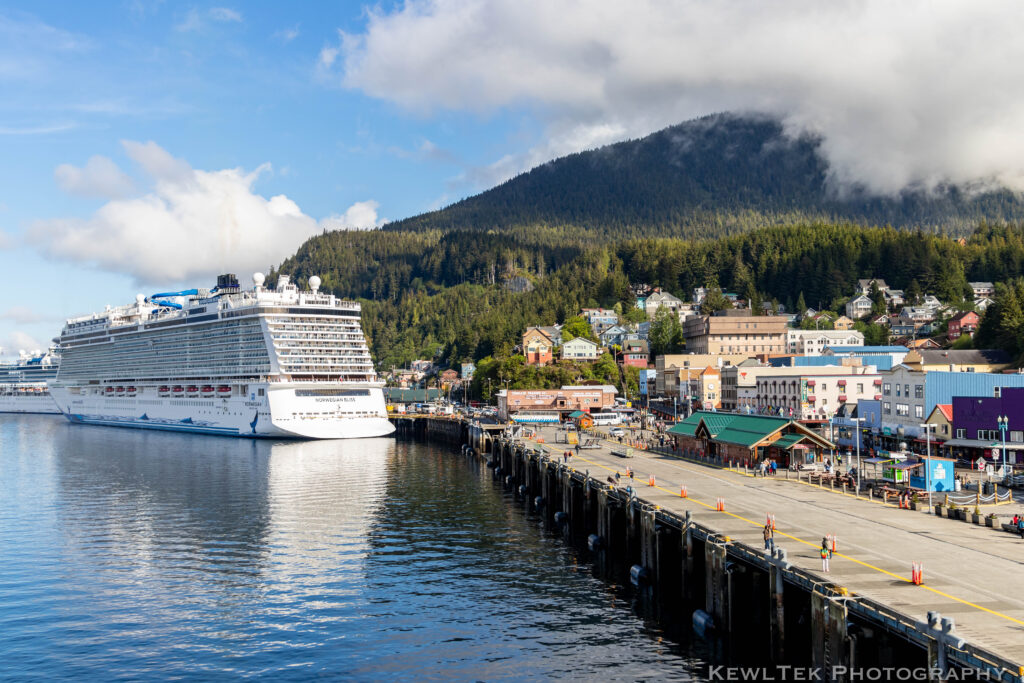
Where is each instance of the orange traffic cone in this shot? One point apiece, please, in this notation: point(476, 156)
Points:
point(650, 480)
point(682, 491)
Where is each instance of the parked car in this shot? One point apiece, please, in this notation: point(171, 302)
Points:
point(616, 432)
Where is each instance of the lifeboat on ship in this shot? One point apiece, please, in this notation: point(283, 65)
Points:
point(178, 390)
point(193, 390)
point(130, 391)
point(207, 390)
point(110, 390)
point(120, 390)
point(223, 390)
point(163, 391)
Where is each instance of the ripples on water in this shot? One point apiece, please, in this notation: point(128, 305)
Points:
point(127, 554)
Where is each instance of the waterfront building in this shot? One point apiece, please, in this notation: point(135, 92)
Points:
point(735, 331)
point(748, 439)
point(668, 366)
point(976, 431)
point(942, 386)
point(814, 393)
point(551, 405)
point(739, 385)
point(942, 417)
point(904, 406)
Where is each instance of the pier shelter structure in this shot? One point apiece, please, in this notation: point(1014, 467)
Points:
point(748, 439)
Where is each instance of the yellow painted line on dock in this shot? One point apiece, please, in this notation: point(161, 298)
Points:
point(862, 563)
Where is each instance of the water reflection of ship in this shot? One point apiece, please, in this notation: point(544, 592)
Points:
point(323, 497)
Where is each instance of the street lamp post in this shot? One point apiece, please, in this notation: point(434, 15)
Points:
point(1004, 424)
point(928, 463)
point(857, 421)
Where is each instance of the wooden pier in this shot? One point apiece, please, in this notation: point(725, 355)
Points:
point(707, 547)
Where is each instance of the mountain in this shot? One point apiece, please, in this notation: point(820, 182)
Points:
point(704, 178)
point(723, 201)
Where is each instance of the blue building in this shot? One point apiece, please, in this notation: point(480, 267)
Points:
point(880, 361)
point(896, 353)
point(844, 426)
point(941, 387)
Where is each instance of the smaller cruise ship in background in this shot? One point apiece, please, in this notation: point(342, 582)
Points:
point(23, 381)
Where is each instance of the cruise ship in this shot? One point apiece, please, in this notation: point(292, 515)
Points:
point(23, 383)
point(279, 363)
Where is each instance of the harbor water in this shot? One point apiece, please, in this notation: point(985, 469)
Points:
point(131, 554)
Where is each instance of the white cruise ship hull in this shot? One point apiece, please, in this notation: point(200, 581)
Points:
point(28, 403)
point(267, 411)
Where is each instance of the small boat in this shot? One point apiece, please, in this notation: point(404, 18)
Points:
point(164, 391)
point(192, 390)
point(120, 390)
point(223, 389)
point(130, 391)
point(178, 390)
point(110, 390)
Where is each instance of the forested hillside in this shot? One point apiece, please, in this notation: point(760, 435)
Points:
point(427, 293)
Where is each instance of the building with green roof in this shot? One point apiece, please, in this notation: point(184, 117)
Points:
point(748, 439)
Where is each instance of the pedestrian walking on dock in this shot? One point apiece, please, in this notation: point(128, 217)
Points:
point(826, 554)
point(1020, 527)
point(769, 538)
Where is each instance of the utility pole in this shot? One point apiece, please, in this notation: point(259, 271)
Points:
point(1004, 424)
point(928, 463)
point(857, 421)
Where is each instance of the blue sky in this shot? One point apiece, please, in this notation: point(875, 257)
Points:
point(149, 144)
point(218, 87)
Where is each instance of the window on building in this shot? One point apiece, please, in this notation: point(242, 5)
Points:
point(886, 388)
point(886, 408)
point(961, 433)
point(988, 434)
point(906, 390)
point(898, 390)
point(997, 392)
point(1017, 436)
point(860, 387)
point(902, 409)
point(918, 391)
point(918, 411)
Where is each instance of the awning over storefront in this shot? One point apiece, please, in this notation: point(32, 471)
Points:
point(982, 443)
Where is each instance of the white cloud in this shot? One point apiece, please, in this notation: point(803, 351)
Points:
point(359, 216)
point(44, 129)
point(225, 14)
point(23, 315)
point(6, 241)
point(196, 21)
point(287, 35)
point(191, 225)
point(100, 177)
point(912, 93)
point(328, 56)
point(15, 341)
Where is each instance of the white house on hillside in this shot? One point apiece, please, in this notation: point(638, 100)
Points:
point(579, 349)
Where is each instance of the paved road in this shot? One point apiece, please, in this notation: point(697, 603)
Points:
point(973, 574)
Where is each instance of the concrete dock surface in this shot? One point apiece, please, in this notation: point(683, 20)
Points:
point(972, 573)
